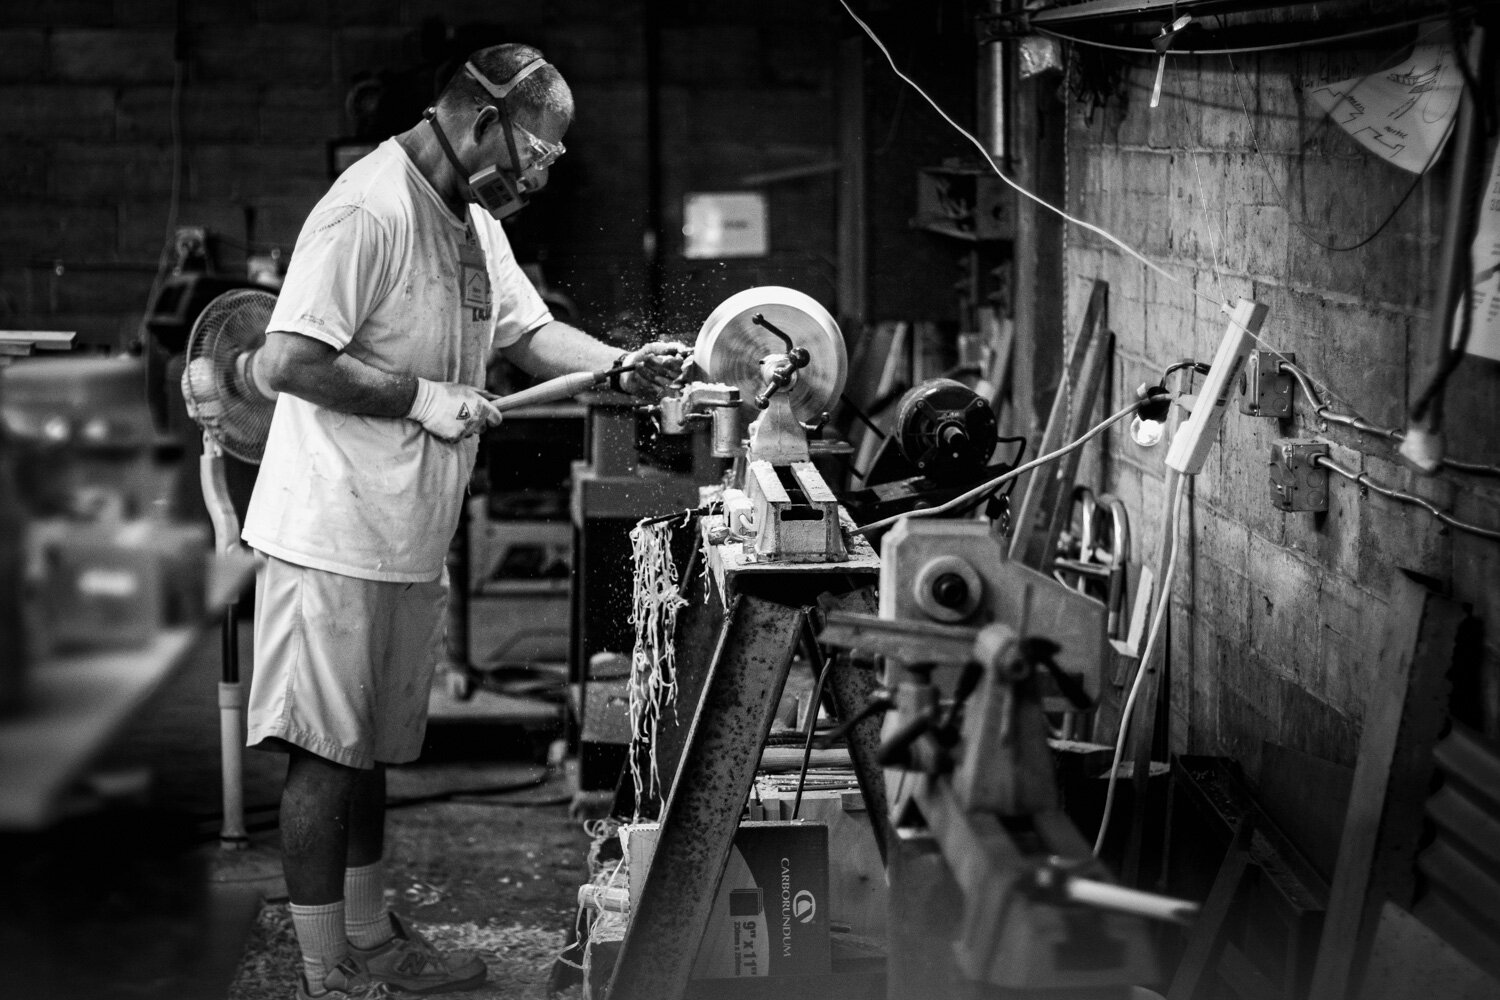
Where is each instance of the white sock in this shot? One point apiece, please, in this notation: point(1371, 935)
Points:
point(320, 934)
point(366, 918)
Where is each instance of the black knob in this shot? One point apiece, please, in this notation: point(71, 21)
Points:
point(950, 590)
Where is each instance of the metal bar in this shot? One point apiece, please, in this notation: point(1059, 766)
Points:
point(1167, 9)
point(1038, 126)
point(907, 641)
point(697, 826)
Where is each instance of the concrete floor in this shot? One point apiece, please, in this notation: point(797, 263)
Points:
point(477, 865)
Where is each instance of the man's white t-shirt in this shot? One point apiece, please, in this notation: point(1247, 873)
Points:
point(384, 272)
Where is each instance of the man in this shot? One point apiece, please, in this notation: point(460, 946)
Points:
point(396, 294)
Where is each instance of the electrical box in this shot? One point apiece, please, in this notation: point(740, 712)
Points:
point(1298, 481)
point(1265, 390)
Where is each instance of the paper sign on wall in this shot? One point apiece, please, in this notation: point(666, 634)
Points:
point(1403, 114)
point(724, 224)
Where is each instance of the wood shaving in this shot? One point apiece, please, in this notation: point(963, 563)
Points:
point(653, 669)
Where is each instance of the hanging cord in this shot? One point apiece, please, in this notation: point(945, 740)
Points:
point(1359, 423)
point(1365, 481)
point(1174, 279)
point(1213, 237)
point(1176, 487)
point(810, 640)
point(986, 488)
point(985, 156)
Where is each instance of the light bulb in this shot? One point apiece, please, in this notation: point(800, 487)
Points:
point(1147, 433)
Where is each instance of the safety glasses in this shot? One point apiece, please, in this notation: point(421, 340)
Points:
point(540, 154)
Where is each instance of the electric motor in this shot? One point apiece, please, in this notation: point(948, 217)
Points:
point(945, 429)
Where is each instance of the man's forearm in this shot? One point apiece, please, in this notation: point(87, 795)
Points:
point(557, 349)
point(340, 382)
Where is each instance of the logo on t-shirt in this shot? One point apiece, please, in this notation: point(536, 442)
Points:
point(476, 279)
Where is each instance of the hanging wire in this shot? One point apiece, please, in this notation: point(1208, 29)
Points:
point(1219, 268)
point(1112, 238)
point(986, 488)
point(985, 155)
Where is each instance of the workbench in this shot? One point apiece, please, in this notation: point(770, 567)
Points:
point(77, 703)
point(734, 644)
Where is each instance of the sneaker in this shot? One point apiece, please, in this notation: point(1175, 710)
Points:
point(410, 964)
point(346, 981)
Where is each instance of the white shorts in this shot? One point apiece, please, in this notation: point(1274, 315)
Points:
point(343, 666)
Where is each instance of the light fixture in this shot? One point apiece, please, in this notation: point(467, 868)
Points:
point(1147, 433)
point(1150, 423)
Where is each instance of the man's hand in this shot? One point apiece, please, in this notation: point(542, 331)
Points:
point(451, 411)
point(660, 365)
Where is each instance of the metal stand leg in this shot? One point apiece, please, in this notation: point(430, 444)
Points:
point(702, 813)
point(851, 688)
point(232, 835)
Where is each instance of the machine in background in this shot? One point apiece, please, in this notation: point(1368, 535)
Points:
point(976, 646)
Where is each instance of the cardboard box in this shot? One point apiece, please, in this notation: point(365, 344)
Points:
point(857, 893)
point(770, 914)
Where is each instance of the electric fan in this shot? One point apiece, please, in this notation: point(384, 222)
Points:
point(223, 398)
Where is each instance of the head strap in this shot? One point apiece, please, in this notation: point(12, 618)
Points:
point(499, 92)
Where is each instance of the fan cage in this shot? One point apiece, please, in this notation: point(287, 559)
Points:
point(230, 411)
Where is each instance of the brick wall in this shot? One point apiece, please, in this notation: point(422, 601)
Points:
point(85, 118)
point(1277, 618)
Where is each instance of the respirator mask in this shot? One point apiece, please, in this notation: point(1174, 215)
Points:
point(503, 191)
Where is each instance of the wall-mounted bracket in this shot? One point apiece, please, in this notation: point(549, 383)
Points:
point(1298, 481)
point(1266, 391)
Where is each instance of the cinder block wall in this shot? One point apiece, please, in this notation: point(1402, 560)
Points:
point(86, 118)
point(1277, 619)
point(86, 124)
